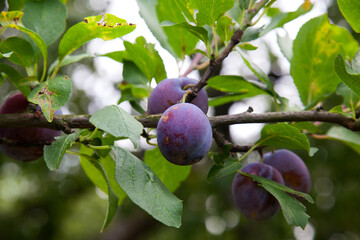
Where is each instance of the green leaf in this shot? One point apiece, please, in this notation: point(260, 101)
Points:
point(170, 174)
point(292, 209)
point(145, 189)
point(317, 44)
point(350, 98)
point(244, 4)
point(106, 27)
point(202, 52)
point(259, 73)
point(13, 20)
point(47, 18)
point(95, 176)
point(133, 75)
point(146, 58)
point(355, 62)
point(11, 17)
point(1, 79)
point(251, 34)
point(346, 136)
point(178, 42)
point(132, 92)
point(308, 126)
point(112, 197)
point(148, 13)
point(224, 163)
point(286, 45)
point(247, 46)
point(278, 20)
point(117, 122)
point(181, 41)
point(51, 95)
point(234, 84)
point(16, 4)
point(339, 109)
point(70, 59)
point(22, 51)
point(225, 28)
point(237, 12)
point(221, 170)
point(54, 153)
point(351, 11)
point(218, 101)
point(119, 56)
point(23, 84)
point(347, 74)
point(209, 11)
point(186, 10)
point(284, 136)
point(199, 32)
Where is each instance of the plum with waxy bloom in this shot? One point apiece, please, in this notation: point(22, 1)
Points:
point(184, 134)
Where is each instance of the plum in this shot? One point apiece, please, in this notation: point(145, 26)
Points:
point(17, 103)
point(184, 134)
point(292, 168)
point(252, 200)
point(170, 91)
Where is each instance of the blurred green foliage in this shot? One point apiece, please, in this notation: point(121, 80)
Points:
point(38, 204)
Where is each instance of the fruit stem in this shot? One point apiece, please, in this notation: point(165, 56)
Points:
point(215, 40)
point(56, 70)
point(92, 135)
point(150, 143)
point(187, 92)
point(81, 155)
point(248, 152)
point(104, 147)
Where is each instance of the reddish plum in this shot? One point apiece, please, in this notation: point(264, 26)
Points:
point(17, 103)
point(292, 168)
point(252, 200)
point(170, 91)
point(184, 134)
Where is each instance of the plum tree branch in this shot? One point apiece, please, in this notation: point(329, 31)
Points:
point(222, 142)
point(68, 123)
point(215, 63)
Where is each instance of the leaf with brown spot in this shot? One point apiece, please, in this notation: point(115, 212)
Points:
point(51, 95)
point(106, 27)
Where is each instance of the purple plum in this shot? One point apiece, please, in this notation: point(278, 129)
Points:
point(170, 91)
point(252, 200)
point(17, 103)
point(184, 134)
point(292, 168)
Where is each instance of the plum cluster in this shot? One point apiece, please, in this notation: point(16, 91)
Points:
point(282, 166)
point(26, 139)
point(184, 133)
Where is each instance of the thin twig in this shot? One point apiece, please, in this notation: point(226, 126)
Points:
point(222, 142)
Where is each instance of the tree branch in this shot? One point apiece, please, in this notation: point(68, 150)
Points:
point(67, 123)
point(215, 63)
point(222, 142)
